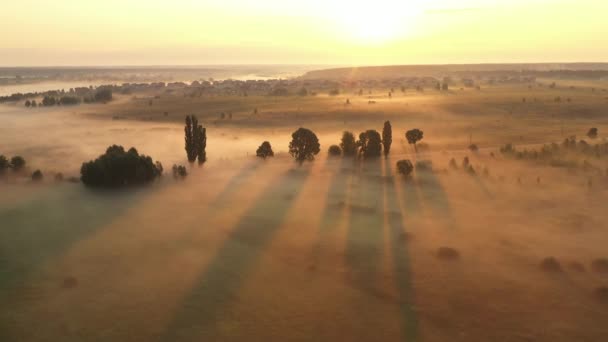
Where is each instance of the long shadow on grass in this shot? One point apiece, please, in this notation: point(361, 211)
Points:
point(432, 194)
point(218, 285)
point(38, 230)
point(365, 228)
point(335, 202)
point(401, 260)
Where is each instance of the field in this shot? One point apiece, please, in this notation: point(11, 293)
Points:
point(334, 249)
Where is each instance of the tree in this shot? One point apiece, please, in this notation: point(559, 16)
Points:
point(265, 150)
point(413, 136)
point(37, 176)
point(387, 137)
point(195, 139)
point(334, 150)
point(592, 133)
point(405, 167)
point(4, 164)
point(348, 144)
point(17, 163)
point(28, 103)
point(370, 144)
point(117, 168)
point(103, 94)
point(304, 145)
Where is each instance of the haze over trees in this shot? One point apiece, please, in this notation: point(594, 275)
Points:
point(195, 139)
point(304, 145)
point(118, 168)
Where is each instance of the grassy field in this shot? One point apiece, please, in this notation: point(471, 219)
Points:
point(336, 249)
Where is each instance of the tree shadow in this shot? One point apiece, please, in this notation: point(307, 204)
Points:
point(218, 285)
point(365, 229)
point(35, 231)
point(432, 194)
point(335, 203)
point(401, 260)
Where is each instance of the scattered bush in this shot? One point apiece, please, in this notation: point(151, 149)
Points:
point(550, 264)
point(334, 150)
point(37, 176)
point(118, 168)
point(179, 171)
point(265, 150)
point(304, 145)
point(405, 167)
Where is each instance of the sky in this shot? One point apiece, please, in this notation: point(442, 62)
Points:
point(373, 32)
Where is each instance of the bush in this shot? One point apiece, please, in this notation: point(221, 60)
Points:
point(17, 163)
point(265, 150)
point(592, 133)
point(473, 148)
point(37, 176)
point(405, 167)
point(179, 171)
point(304, 145)
point(424, 165)
point(334, 150)
point(117, 168)
point(348, 144)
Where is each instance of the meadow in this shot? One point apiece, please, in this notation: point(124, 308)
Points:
point(334, 249)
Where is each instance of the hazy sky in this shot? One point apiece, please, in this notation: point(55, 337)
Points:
point(155, 32)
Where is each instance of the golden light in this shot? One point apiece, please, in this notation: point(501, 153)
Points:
point(372, 22)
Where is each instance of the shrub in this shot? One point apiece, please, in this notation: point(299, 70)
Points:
point(37, 176)
point(334, 150)
point(592, 133)
point(405, 167)
point(348, 144)
point(265, 150)
point(370, 144)
point(304, 145)
point(17, 163)
point(118, 168)
point(179, 171)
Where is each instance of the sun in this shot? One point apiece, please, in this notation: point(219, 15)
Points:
point(374, 21)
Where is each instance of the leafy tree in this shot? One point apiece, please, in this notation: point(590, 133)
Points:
point(334, 150)
point(117, 168)
point(592, 133)
point(49, 101)
point(17, 163)
point(37, 176)
point(413, 136)
point(387, 137)
point(189, 138)
point(348, 144)
point(265, 150)
point(405, 167)
point(304, 145)
point(370, 144)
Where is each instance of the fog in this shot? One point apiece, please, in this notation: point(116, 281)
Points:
point(335, 249)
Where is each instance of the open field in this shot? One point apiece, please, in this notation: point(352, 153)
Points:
point(335, 249)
